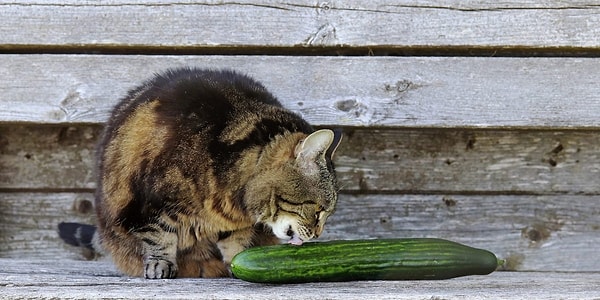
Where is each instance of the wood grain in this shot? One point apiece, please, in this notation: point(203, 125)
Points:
point(500, 153)
point(471, 161)
point(530, 232)
point(98, 280)
point(48, 157)
point(368, 160)
point(29, 222)
point(27, 279)
point(327, 91)
point(273, 23)
point(539, 233)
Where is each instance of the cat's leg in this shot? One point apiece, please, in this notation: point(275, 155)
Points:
point(263, 236)
point(124, 249)
point(159, 245)
point(239, 240)
point(213, 268)
point(234, 242)
point(202, 260)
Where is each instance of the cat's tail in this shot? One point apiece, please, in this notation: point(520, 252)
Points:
point(81, 235)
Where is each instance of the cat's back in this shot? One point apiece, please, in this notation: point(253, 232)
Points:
point(188, 115)
point(210, 96)
point(223, 105)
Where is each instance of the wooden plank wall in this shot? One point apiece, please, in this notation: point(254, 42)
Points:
point(468, 120)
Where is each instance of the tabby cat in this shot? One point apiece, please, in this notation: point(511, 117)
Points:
point(196, 165)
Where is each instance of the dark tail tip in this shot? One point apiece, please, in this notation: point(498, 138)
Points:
point(77, 234)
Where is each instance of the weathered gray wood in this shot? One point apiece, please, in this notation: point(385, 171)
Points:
point(48, 158)
point(539, 233)
point(368, 160)
point(261, 23)
point(473, 161)
point(529, 196)
point(49, 279)
point(28, 222)
point(328, 91)
point(543, 233)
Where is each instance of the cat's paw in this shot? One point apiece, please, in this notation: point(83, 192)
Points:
point(157, 268)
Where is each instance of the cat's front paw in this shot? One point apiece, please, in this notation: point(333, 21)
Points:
point(158, 268)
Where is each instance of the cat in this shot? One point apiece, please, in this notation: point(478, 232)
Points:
point(196, 165)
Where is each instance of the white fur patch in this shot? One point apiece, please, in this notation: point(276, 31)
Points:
point(282, 225)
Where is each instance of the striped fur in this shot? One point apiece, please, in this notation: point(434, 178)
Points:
point(197, 165)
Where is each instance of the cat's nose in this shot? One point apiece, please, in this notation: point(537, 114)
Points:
point(290, 232)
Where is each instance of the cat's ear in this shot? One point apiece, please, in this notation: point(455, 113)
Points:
point(317, 143)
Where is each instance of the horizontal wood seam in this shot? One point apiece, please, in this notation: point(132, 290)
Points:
point(353, 192)
point(337, 50)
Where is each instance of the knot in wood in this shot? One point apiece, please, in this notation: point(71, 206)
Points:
point(346, 105)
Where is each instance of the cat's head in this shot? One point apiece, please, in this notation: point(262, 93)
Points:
point(302, 189)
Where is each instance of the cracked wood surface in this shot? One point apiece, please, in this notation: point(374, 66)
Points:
point(499, 153)
point(453, 161)
point(328, 91)
point(274, 23)
point(532, 233)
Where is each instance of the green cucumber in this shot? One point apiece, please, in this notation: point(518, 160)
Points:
point(387, 259)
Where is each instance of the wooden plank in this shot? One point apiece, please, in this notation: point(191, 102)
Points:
point(25, 279)
point(328, 91)
point(368, 160)
point(537, 233)
point(29, 221)
point(473, 161)
point(544, 233)
point(48, 158)
point(259, 23)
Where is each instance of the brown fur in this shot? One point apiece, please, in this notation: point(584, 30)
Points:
point(197, 165)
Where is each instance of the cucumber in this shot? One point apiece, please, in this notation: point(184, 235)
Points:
point(387, 259)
